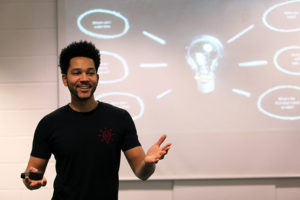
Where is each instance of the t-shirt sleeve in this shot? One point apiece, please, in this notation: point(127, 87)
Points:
point(41, 145)
point(130, 138)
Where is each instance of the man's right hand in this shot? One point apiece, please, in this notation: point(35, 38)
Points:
point(34, 184)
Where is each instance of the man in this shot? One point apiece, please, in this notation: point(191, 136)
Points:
point(86, 136)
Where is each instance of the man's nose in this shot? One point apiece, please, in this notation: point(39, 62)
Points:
point(83, 77)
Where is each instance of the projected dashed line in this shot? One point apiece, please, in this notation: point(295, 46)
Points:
point(163, 94)
point(253, 63)
point(153, 65)
point(154, 37)
point(241, 92)
point(241, 33)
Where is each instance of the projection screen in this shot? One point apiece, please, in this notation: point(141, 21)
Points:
point(220, 78)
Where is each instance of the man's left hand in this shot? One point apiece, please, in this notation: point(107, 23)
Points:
point(155, 152)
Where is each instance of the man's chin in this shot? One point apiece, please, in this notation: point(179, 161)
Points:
point(84, 98)
point(81, 96)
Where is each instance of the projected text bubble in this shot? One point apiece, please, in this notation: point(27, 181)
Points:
point(281, 102)
point(103, 24)
point(287, 12)
point(114, 69)
point(127, 101)
point(287, 60)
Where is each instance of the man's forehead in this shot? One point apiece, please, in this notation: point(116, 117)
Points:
point(81, 58)
point(85, 68)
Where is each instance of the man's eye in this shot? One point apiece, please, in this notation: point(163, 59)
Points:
point(91, 73)
point(75, 73)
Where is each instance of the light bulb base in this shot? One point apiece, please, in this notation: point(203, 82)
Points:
point(206, 86)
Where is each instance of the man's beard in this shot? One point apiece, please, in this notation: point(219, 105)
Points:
point(74, 93)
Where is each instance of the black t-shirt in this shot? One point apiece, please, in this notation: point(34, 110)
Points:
point(87, 148)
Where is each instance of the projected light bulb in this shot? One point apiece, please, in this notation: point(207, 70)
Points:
point(202, 56)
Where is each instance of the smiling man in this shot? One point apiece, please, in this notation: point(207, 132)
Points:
point(87, 136)
point(82, 80)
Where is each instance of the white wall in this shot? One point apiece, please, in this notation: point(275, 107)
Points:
point(28, 91)
point(28, 85)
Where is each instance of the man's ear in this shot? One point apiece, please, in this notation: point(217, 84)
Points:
point(64, 79)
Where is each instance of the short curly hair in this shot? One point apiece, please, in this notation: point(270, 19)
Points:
point(78, 49)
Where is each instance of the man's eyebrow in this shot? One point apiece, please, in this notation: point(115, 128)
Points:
point(90, 68)
point(76, 69)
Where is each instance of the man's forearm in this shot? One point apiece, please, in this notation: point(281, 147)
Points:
point(145, 171)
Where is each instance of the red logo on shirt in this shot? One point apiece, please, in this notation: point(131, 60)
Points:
point(106, 135)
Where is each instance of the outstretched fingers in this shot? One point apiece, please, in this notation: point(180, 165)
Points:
point(166, 147)
point(164, 150)
point(161, 139)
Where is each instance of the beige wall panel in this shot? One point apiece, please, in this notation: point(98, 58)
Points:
point(64, 94)
point(288, 193)
point(225, 190)
point(10, 176)
point(20, 122)
point(15, 149)
point(288, 189)
point(28, 88)
point(39, 194)
point(42, 15)
point(10, 194)
point(28, 42)
point(28, 96)
point(28, 69)
point(150, 190)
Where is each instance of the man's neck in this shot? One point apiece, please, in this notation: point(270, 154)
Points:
point(83, 106)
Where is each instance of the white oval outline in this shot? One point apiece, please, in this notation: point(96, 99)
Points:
point(268, 92)
point(278, 66)
point(140, 101)
point(124, 64)
point(102, 36)
point(264, 19)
